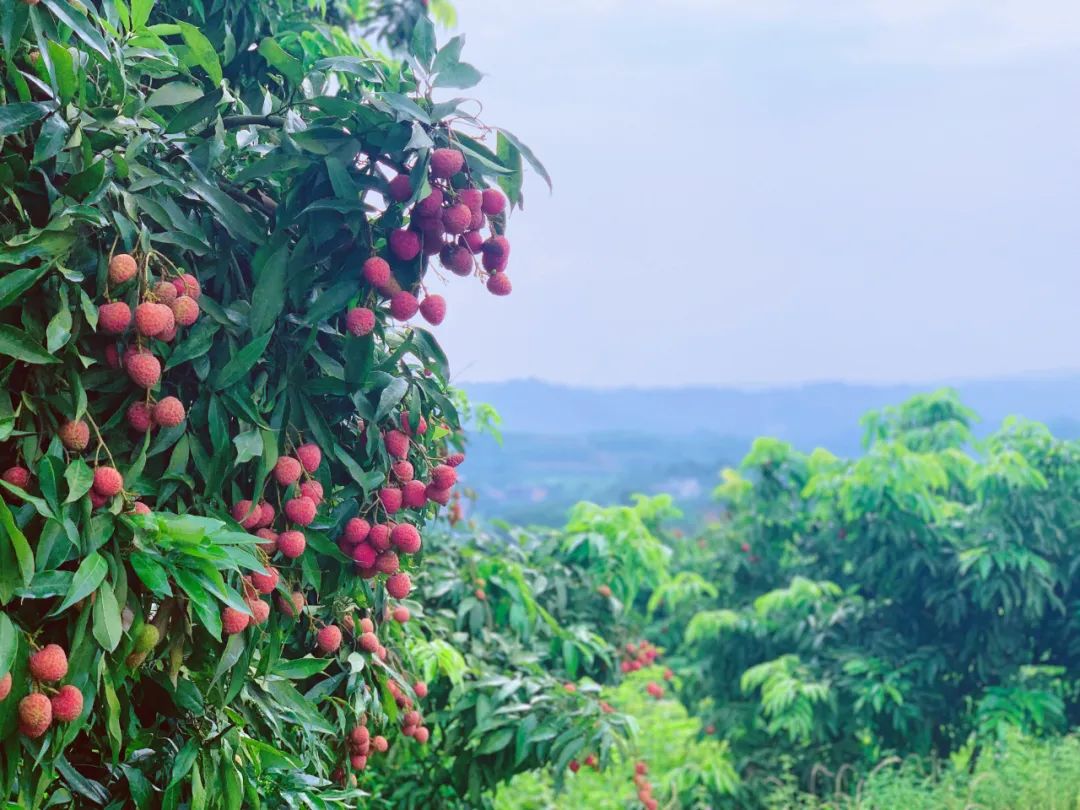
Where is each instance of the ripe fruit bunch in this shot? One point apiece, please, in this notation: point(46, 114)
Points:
point(47, 703)
point(644, 787)
point(636, 656)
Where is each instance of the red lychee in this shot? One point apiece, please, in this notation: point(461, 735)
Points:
point(313, 490)
point(402, 470)
point(478, 220)
point(445, 163)
point(114, 318)
point(97, 501)
point(376, 271)
point(270, 536)
point(169, 335)
point(364, 555)
point(287, 471)
point(35, 715)
point(403, 305)
point(397, 443)
point(420, 689)
point(75, 435)
point(433, 308)
point(414, 494)
point(456, 218)
point(360, 321)
point(152, 319)
point(406, 424)
point(49, 664)
point(247, 514)
point(399, 585)
point(456, 259)
point(493, 202)
point(140, 508)
point(496, 252)
point(455, 459)
point(5, 686)
point(310, 456)
point(379, 536)
point(112, 356)
point(430, 206)
point(140, 416)
point(291, 544)
point(422, 735)
point(472, 241)
point(233, 621)
point(186, 310)
point(143, 368)
point(472, 197)
point(405, 245)
point(108, 482)
point(122, 267)
point(260, 610)
point(387, 563)
point(401, 614)
point(188, 285)
point(300, 510)
point(390, 497)
point(164, 292)
point(499, 284)
point(406, 538)
point(292, 606)
point(67, 704)
point(655, 690)
point(400, 188)
point(369, 642)
point(265, 581)
point(169, 412)
point(443, 476)
point(439, 496)
point(328, 639)
point(266, 514)
point(356, 530)
point(380, 744)
point(367, 625)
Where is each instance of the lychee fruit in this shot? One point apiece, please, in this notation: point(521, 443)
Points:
point(360, 321)
point(406, 538)
point(266, 514)
point(439, 496)
point(96, 500)
point(400, 188)
point(406, 424)
point(5, 686)
point(390, 497)
point(493, 202)
point(387, 563)
point(379, 536)
point(49, 664)
point(112, 356)
point(260, 611)
point(186, 310)
point(496, 252)
point(456, 259)
point(472, 197)
point(604, 591)
point(140, 508)
point(445, 163)
point(403, 305)
point(152, 319)
point(247, 514)
point(169, 412)
point(369, 642)
point(473, 241)
point(270, 536)
point(143, 368)
point(188, 285)
point(300, 510)
point(399, 585)
point(397, 443)
point(376, 271)
point(75, 435)
point(430, 206)
point(328, 639)
point(414, 494)
point(655, 690)
point(364, 555)
point(122, 267)
point(422, 735)
point(292, 606)
point(108, 482)
point(287, 471)
point(291, 544)
point(367, 625)
point(455, 459)
point(380, 744)
point(234, 621)
point(401, 614)
point(35, 715)
point(114, 318)
point(420, 689)
point(169, 335)
point(67, 704)
point(265, 581)
point(140, 417)
point(405, 245)
point(456, 218)
point(310, 456)
point(312, 490)
point(164, 292)
point(443, 476)
point(574, 766)
point(499, 284)
point(433, 308)
point(356, 531)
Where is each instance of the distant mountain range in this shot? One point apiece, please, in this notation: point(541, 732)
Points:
point(563, 444)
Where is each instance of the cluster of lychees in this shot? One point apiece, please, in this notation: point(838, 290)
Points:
point(637, 656)
point(644, 787)
point(38, 710)
point(448, 222)
point(361, 744)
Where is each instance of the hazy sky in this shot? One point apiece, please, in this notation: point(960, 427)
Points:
point(775, 191)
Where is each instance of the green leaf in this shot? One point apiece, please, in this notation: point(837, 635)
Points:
point(174, 93)
point(9, 643)
point(282, 60)
point(200, 52)
point(205, 606)
point(496, 741)
point(16, 343)
point(15, 283)
point(87, 579)
point(107, 627)
point(331, 301)
point(449, 54)
point(79, 479)
point(242, 362)
point(58, 331)
point(422, 45)
point(236, 220)
point(529, 156)
point(300, 668)
point(64, 68)
point(195, 113)
point(390, 397)
point(197, 343)
point(268, 297)
point(17, 117)
point(462, 75)
point(140, 13)
point(23, 555)
point(151, 573)
point(82, 27)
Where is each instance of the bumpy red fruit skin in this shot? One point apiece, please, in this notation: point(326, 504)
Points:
point(186, 310)
point(390, 497)
point(574, 766)
point(422, 735)
point(376, 271)
point(300, 510)
point(292, 606)
point(265, 581)
point(403, 305)
point(364, 555)
point(405, 245)
point(496, 252)
point(17, 476)
point(369, 642)
point(247, 514)
point(420, 688)
point(443, 476)
point(122, 267)
point(328, 639)
point(164, 292)
point(140, 417)
point(401, 614)
point(310, 456)
point(5, 686)
point(499, 284)
point(414, 494)
point(430, 206)
point(287, 471)
point(312, 490)
point(406, 538)
point(75, 435)
point(270, 537)
point(266, 515)
point(397, 443)
point(169, 412)
point(114, 318)
point(445, 163)
point(456, 259)
point(233, 621)
point(380, 744)
point(493, 202)
point(291, 544)
point(472, 197)
point(455, 459)
point(108, 482)
point(473, 242)
point(35, 715)
point(433, 308)
point(399, 585)
point(379, 536)
point(400, 188)
point(140, 508)
point(356, 531)
point(387, 563)
point(456, 219)
point(368, 626)
point(144, 369)
point(360, 321)
point(67, 704)
point(406, 424)
point(439, 496)
point(403, 471)
point(49, 664)
point(188, 285)
point(260, 611)
point(152, 319)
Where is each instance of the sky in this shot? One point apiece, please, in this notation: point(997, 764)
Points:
point(772, 192)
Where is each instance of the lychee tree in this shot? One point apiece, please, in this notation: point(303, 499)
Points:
point(221, 437)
